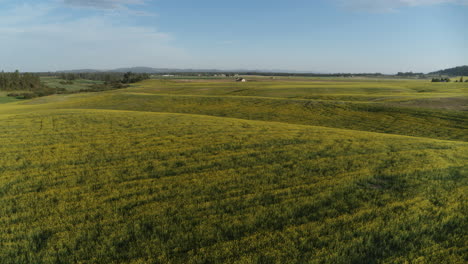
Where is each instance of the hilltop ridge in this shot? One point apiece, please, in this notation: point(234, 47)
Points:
point(455, 71)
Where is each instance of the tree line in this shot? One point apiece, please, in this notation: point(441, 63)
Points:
point(25, 85)
point(11, 81)
point(409, 74)
point(29, 85)
point(446, 80)
point(457, 71)
point(107, 77)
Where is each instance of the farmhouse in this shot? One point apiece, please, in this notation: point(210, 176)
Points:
point(241, 80)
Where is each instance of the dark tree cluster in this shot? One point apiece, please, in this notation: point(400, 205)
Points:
point(94, 76)
point(441, 80)
point(130, 77)
point(15, 81)
point(108, 77)
point(68, 76)
point(25, 85)
point(409, 74)
point(461, 80)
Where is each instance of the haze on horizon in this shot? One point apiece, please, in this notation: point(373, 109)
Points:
point(318, 36)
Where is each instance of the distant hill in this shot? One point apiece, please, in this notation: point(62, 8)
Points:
point(457, 71)
point(81, 71)
point(139, 70)
point(176, 70)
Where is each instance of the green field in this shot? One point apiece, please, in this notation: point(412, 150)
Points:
point(6, 99)
point(76, 85)
point(293, 170)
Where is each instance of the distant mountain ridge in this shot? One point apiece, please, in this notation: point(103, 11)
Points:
point(81, 71)
point(456, 71)
point(175, 70)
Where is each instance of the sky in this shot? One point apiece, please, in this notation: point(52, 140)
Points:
point(354, 36)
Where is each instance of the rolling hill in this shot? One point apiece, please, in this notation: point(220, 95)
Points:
point(283, 171)
point(456, 71)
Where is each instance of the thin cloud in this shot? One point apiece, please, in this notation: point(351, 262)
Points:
point(103, 4)
point(34, 37)
point(23, 14)
point(392, 5)
point(125, 7)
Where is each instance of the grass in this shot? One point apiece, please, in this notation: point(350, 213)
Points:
point(252, 102)
point(342, 89)
point(77, 85)
point(167, 172)
point(4, 98)
point(7, 99)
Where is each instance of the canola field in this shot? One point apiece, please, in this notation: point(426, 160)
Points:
point(213, 171)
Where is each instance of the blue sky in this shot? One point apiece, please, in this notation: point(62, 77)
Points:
point(321, 36)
